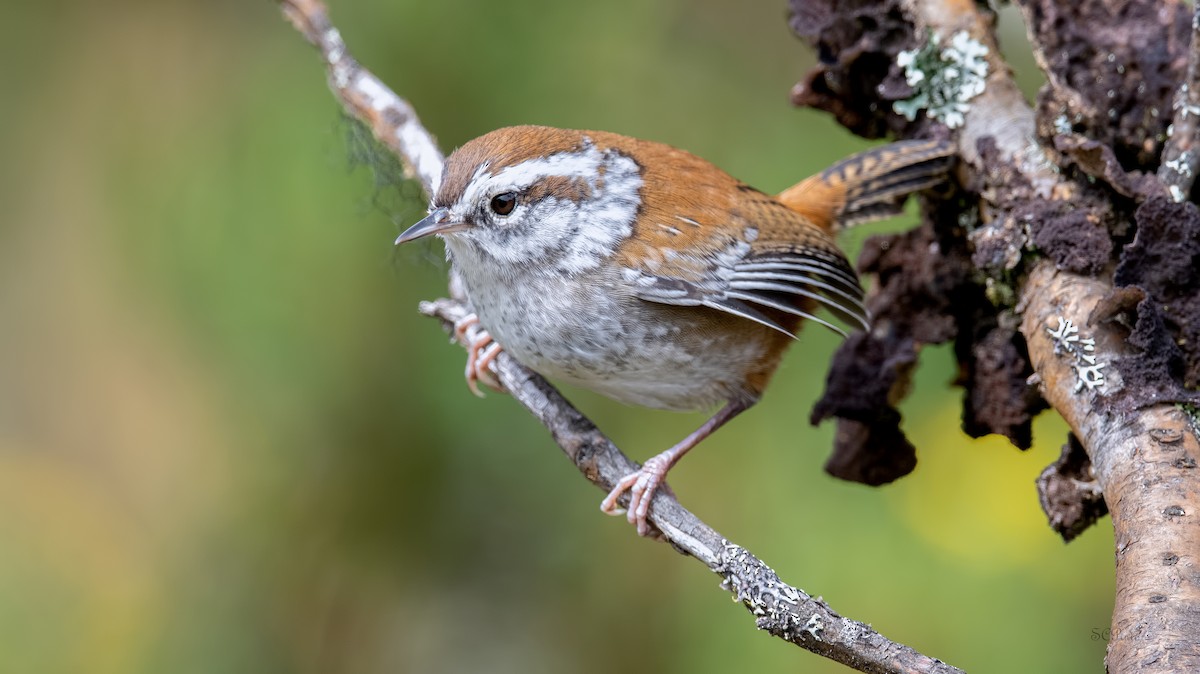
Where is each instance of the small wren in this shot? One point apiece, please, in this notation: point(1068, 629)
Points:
point(647, 274)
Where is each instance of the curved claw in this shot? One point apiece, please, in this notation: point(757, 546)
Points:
point(641, 485)
point(483, 366)
point(481, 351)
point(481, 340)
point(461, 325)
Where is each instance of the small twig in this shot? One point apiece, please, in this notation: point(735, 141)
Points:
point(1181, 154)
point(780, 609)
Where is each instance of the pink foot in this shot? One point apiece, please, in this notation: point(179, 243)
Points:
point(641, 485)
point(481, 351)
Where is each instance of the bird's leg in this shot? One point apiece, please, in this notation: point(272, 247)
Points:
point(641, 484)
point(481, 351)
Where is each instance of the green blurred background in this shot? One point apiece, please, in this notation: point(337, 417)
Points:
point(228, 443)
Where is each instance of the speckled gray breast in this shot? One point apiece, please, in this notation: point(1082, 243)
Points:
point(589, 331)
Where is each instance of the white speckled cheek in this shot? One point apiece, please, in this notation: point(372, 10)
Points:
point(606, 220)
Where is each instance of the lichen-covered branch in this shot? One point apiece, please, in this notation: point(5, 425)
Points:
point(1111, 401)
point(779, 609)
point(1145, 464)
point(1107, 320)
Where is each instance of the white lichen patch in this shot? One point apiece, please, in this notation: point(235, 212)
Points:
point(813, 626)
point(1179, 166)
point(1182, 168)
point(944, 80)
point(774, 603)
point(1088, 368)
point(1183, 104)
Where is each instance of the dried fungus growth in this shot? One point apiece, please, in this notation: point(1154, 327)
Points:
point(1065, 274)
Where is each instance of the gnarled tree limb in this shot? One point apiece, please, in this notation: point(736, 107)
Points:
point(780, 609)
point(1097, 349)
point(1150, 486)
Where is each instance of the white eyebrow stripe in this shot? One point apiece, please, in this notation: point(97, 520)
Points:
point(582, 163)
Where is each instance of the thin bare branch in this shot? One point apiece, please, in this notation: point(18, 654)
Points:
point(1181, 155)
point(391, 118)
point(780, 609)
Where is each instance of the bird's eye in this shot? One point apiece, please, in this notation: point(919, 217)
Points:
point(503, 204)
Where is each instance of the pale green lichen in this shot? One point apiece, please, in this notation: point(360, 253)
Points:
point(943, 80)
point(1193, 414)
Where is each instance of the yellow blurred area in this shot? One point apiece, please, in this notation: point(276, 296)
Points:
point(228, 443)
point(995, 529)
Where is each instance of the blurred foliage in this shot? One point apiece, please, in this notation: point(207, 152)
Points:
point(228, 443)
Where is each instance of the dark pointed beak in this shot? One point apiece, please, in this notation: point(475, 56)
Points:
point(437, 222)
